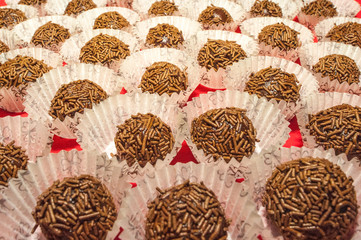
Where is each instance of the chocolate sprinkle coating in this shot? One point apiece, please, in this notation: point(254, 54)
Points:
point(321, 8)
point(10, 17)
point(3, 47)
point(110, 20)
point(218, 54)
point(339, 128)
point(104, 49)
point(311, 198)
point(75, 97)
point(186, 211)
point(32, 2)
point(75, 208)
point(214, 16)
point(273, 83)
point(162, 8)
point(76, 7)
point(143, 138)
point(164, 77)
point(165, 35)
point(266, 8)
point(348, 33)
point(12, 159)
point(279, 35)
point(21, 70)
point(224, 132)
point(50, 35)
point(338, 67)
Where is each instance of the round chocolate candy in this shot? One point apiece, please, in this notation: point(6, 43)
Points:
point(279, 35)
point(10, 17)
point(214, 16)
point(348, 33)
point(110, 20)
point(266, 8)
point(32, 2)
point(76, 7)
point(320, 8)
point(165, 35)
point(50, 35)
point(162, 8)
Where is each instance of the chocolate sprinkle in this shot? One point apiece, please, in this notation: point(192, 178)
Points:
point(75, 97)
point(104, 49)
point(279, 35)
point(266, 8)
point(321, 8)
point(165, 35)
point(348, 33)
point(10, 17)
point(338, 67)
point(76, 7)
point(3, 47)
point(21, 70)
point(12, 159)
point(75, 208)
point(218, 54)
point(311, 198)
point(143, 138)
point(164, 77)
point(32, 2)
point(224, 132)
point(214, 16)
point(339, 128)
point(162, 8)
point(186, 211)
point(50, 35)
point(273, 83)
point(110, 20)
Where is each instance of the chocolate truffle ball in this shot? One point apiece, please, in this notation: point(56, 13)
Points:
point(214, 16)
point(10, 17)
point(165, 35)
point(279, 35)
point(162, 8)
point(320, 8)
point(110, 20)
point(50, 35)
point(76, 7)
point(266, 8)
point(348, 33)
point(32, 2)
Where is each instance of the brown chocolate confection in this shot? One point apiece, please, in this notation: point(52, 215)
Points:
point(279, 35)
point(348, 33)
point(10, 17)
point(32, 2)
point(162, 8)
point(143, 138)
point(164, 77)
point(224, 132)
point(110, 20)
point(273, 83)
point(311, 198)
point(185, 206)
point(21, 70)
point(339, 128)
point(321, 8)
point(338, 67)
point(104, 49)
point(214, 16)
point(165, 35)
point(75, 208)
point(12, 159)
point(50, 35)
point(218, 54)
point(76, 7)
point(75, 97)
point(3, 47)
point(266, 8)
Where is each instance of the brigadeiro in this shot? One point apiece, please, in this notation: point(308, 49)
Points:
point(12, 15)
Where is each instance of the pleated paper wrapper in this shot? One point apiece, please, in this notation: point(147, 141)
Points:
point(58, 7)
point(343, 8)
point(317, 103)
point(234, 198)
point(212, 78)
point(40, 94)
point(263, 164)
point(311, 53)
point(12, 99)
point(186, 26)
point(6, 36)
point(254, 26)
point(24, 31)
point(132, 73)
point(19, 200)
point(142, 7)
point(325, 26)
point(268, 121)
point(30, 12)
point(239, 74)
point(86, 20)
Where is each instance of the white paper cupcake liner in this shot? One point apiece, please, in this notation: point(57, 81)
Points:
point(142, 7)
point(58, 7)
point(254, 26)
point(326, 25)
point(270, 124)
point(245, 222)
point(86, 20)
point(6, 37)
point(99, 126)
point(30, 12)
point(212, 78)
point(11, 99)
point(132, 73)
point(311, 53)
point(239, 73)
point(317, 103)
point(20, 198)
point(40, 94)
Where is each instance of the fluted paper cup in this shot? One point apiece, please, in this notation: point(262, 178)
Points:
point(58, 7)
point(142, 7)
